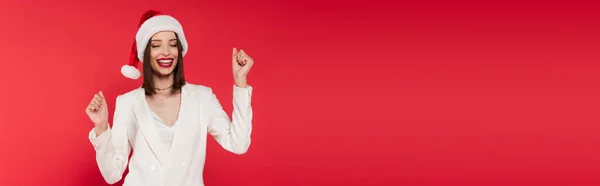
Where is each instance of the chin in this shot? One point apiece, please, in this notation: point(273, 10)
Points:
point(164, 72)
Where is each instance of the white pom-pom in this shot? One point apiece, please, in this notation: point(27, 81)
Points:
point(130, 72)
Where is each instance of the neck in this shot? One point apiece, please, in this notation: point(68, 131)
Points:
point(163, 85)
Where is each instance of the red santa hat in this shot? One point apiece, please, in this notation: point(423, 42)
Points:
point(151, 23)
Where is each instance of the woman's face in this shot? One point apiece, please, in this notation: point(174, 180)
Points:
point(164, 53)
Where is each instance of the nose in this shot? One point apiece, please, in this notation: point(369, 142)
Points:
point(165, 52)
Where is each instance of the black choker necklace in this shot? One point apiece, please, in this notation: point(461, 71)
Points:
point(164, 88)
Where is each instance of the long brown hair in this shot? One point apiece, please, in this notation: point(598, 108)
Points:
point(178, 77)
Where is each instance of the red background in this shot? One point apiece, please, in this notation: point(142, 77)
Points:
point(346, 92)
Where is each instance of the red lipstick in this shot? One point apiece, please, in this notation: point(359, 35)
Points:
point(165, 62)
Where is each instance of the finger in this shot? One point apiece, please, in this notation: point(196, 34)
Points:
point(234, 55)
point(248, 60)
point(240, 61)
point(242, 54)
point(91, 108)
point(92, 104)
point(88, 109)
point(244, 58)
point(247, 67)
point(95, 105)
point(100, 97)
point(103, 98)
point(97, 97)
point(97, 101)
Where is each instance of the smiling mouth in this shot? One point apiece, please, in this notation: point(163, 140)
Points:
point(165, 62)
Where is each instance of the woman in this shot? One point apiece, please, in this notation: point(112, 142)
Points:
point(166, 121)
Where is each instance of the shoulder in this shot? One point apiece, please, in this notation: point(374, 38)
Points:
point(198, 89)
point(199, 92)
point(131, 96)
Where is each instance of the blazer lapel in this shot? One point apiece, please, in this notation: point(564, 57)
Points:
point(187, 122)
point(144, 122)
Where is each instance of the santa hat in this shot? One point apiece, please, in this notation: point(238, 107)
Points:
point(151, 23)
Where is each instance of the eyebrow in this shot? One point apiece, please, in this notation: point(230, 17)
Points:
point(160, 40)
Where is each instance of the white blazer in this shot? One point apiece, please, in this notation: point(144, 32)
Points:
point(152, 164)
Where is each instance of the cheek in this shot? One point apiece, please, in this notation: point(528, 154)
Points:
point(173, 51)
point(154, 52)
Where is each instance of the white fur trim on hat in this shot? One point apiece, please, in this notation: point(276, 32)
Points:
point(157, 24)
point(130, 72)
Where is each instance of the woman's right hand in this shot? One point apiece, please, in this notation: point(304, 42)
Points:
point(98, 112)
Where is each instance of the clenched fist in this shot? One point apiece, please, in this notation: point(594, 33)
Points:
point(97, 110)
point(241, 66)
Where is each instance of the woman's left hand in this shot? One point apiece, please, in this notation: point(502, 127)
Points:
point(241, 66)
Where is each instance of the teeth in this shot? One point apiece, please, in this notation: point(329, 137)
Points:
point(165, 61)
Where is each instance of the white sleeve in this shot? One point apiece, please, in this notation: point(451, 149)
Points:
point(232, 135)
point(112, 147)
